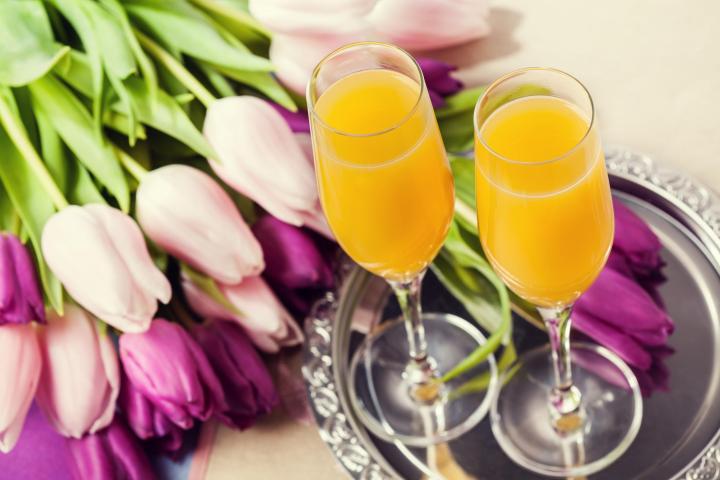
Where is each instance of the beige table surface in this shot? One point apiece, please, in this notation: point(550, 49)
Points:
point(653, 68)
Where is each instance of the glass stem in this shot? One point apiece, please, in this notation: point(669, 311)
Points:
point(565, 398)
point(408, 295)
point(420, 372)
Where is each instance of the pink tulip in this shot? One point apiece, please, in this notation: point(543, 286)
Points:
point(263, 317)
point(80, 378)
point(295, 56)
point(261, 158)
point(19, 375)
point(100, 256)
point(430, 24)
point(311, 17)
point(189, 215)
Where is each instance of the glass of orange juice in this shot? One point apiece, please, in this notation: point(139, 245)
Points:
point(545, 221)
point(387, 191)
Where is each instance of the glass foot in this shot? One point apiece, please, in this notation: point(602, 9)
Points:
point(579, 444)
point(398, 400)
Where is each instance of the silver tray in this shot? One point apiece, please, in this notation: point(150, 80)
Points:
point(680, 433)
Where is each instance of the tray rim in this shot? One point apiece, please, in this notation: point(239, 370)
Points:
point(338, 426)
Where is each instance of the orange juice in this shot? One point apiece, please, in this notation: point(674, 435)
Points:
point(384, 180)
point(544, 204)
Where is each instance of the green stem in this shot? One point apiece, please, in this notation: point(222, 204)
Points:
point(19, 137)
point(131, 165)
point(176, 68)
point(239, 15)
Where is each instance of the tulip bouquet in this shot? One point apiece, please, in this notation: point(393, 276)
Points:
point(161, 224)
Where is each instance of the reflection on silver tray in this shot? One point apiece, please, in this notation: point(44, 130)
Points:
point(680, 434)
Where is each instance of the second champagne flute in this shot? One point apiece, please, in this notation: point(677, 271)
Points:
point(545, 220)
point(387, 192)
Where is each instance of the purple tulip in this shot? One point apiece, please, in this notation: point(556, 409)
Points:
point(169, 382)
point(440, 83)
point(636, 242)
point(109, 454)
point(622, 310)
point(294, 266)
point(248, 387)
point(148, 422)
point(297, 121)
point(20, 297)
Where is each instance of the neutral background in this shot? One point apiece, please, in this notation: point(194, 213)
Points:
point(653, 69)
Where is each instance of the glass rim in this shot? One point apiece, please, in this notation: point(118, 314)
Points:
point(514, 74)
point(311, 100)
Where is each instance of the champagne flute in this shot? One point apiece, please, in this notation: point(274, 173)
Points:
point(388, 194)
point(545, 221)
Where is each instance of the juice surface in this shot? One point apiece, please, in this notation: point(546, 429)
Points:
point(544, 209)
point(388, 196)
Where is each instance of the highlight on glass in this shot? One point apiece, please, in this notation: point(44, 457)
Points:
point(545, 220)
point(387, 192)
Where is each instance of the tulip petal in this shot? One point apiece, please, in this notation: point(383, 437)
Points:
point(79, 382)
point(310, 17)
point(260, 157)
point(168, 367)
point(245, 379)
point(297, 121)
point(293, 259)
point(262, 311)
point(452, 23)
point(109, 360)
point(129, 243)
point(19, 377)
point(636, 241)
point(190, 216)
point(617, 341)
point(99, 255)
point(295, 56)
point(620, 301)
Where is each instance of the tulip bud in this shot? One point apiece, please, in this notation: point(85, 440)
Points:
point(189, 215)
point(438, 80)
point(262, 316)
point(261, 158)
point(20, 297)
point(295, 266)
point(636, 241)
point(172, 373)
point(146, 421)
point(109, 454)
point(19, 374)
point(80, 379)
point(100, 256)
point(246, 382)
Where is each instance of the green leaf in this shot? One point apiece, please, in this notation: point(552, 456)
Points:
point(459, 102)
point(53, 151)
point(234, 17)
point(27, 48)
point(219, 83)
point(209, 287)
point(146, 66)
point(457, 116)
point(117, 56)
point(7, 212)
point(186, 29)
point(74, 125)
point(74, 12)
point(72, 178)
point(34, 207)
point(463, 169)
point(166, 115)
point(461, 267)
point(262, 82)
